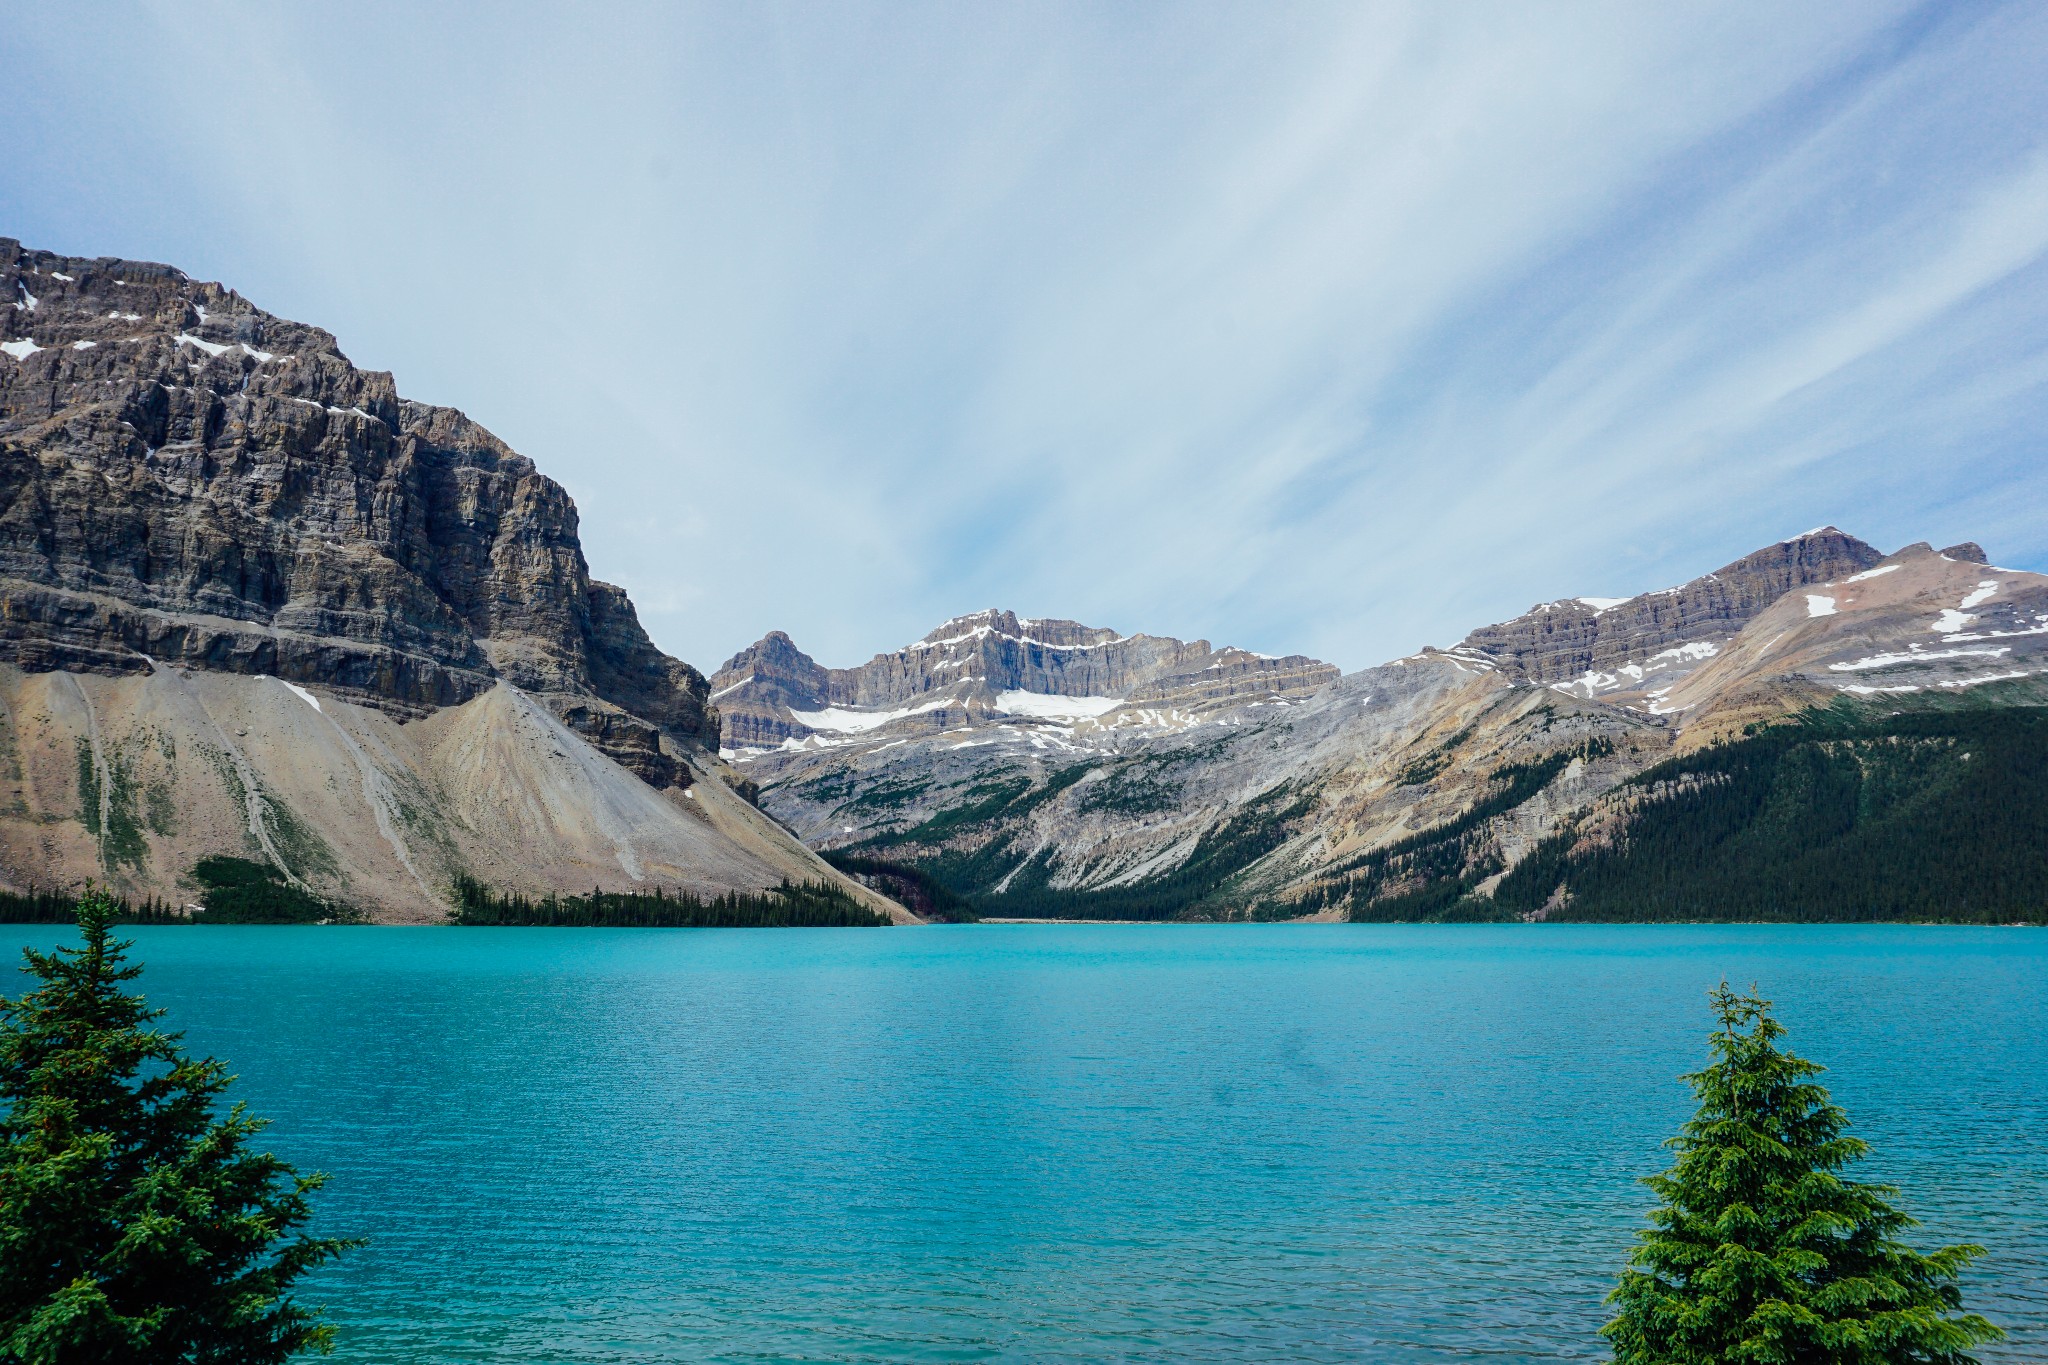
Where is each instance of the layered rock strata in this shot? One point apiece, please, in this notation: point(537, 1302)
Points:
point(254, 602)
point(1598, 645)
point(963, 669)
point(187, 478)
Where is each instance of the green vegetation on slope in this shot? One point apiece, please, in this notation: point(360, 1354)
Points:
point(810, 905)
point(1430, 874)
point(1847, 814)
point(1427, 767)
point(130, 810)
point(239, 891)
point(911, 887)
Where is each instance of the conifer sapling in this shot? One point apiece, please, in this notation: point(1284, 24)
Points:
point(135, 1222)
point(1761, 1252)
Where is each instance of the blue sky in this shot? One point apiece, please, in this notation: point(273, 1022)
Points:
point(1334, 329)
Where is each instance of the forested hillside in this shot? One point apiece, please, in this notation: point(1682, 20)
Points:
point(1847, 812)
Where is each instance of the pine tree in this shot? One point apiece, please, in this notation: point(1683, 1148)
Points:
point(135, 1222)
point(1761, 1253)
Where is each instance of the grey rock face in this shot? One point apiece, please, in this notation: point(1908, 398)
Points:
point(1243, 811)
point(759, 687)
point(1608, 644)
point(185, 476)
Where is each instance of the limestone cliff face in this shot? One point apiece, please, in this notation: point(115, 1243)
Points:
point(184, 476)
point(761, 685)
point(1918, 624)
point(1231, 675)
point(1008, 653)
point(1603, 645)
point(960, 671)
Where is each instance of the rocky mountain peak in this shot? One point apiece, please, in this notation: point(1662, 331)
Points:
point(760, 686)
point(188, 479)
point(1457, 764)
point(1006, 624)
point(771, 693)
point(256, 603)
point(1600, 645)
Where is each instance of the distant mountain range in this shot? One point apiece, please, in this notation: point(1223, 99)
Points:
point(1046, 768)
point(988, 666)
point(254, 603)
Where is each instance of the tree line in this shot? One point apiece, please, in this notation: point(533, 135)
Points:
point(799, 905)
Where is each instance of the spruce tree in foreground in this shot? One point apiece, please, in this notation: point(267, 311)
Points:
point(135, 1223)
point(1761, 1253)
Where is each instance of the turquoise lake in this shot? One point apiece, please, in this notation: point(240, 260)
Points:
point(1071, 1143)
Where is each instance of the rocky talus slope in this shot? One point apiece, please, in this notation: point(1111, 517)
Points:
point(1416, 787)
point(206, 513)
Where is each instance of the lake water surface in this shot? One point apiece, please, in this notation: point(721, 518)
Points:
point(1071, 1143)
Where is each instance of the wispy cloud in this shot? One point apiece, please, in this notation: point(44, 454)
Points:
point(1336, 328)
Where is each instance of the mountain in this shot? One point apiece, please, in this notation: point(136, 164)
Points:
point(1411, 790)
point(993, 667)
point(1619, 647)
point(254, 602)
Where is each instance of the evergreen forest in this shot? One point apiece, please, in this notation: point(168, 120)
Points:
point(1847, 814)
point(231, 891)
point(810, 905)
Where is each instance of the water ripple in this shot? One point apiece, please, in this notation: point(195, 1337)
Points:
point(1056, 1144)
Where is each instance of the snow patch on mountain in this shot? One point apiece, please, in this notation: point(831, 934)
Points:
point(1593, 682)
point(1046, 707)
point(841, 721)
point(1916, 656)
point(302, 694)
point(212, 348)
